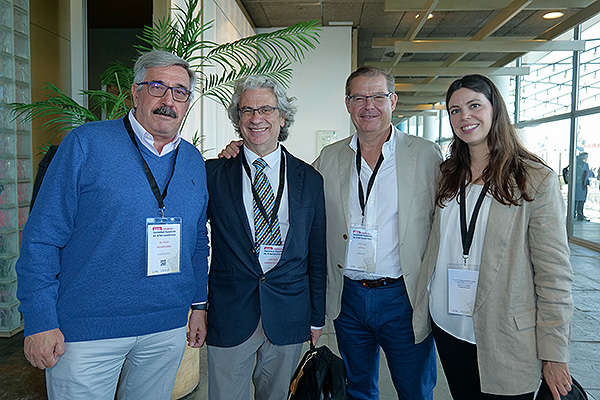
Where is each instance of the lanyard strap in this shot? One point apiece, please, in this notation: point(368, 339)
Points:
point(361, 194)
point(467, 234)
point(160, 197)
point(257, 199)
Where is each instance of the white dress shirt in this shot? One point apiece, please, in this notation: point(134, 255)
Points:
point(273, 161)
point(148, 140)
point(381, 211)
point(450, 252)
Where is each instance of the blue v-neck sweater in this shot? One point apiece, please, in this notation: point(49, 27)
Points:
point(83, 257)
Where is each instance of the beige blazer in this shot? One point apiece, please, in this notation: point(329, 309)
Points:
point(417, 163)
point(523, 306)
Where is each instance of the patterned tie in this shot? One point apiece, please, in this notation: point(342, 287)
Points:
point(262, 233)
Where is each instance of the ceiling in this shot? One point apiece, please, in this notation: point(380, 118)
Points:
point(425, 55)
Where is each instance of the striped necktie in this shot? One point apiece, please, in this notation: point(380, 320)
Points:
point(264, 233)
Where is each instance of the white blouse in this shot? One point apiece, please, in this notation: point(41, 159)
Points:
point(450, 254)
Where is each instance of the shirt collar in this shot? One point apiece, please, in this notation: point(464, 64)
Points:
point(389, 147)
point(272, 159)
point(148, 140)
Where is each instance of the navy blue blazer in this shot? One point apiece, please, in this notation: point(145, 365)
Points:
point(290, 298)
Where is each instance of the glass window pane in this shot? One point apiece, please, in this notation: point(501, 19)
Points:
point(546, 91)
point(589, 66)
point(586, 224)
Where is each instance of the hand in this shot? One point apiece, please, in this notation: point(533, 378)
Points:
point(43, 349)
point(557, 377)
point(232, 149)
point(197, 328)
point(315, 334)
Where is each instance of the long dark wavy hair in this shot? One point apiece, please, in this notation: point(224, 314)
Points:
point(506, 172)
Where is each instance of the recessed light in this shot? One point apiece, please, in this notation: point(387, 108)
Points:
point(553, 15)
point(341, 23)
point(428, 17)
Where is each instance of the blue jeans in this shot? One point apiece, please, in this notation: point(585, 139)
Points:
point(382, 317)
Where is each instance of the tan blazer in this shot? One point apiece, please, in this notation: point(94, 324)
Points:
point(417, 162)
point(523, 306)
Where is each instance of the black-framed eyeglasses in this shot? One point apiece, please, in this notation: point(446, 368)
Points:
point(158, 89)
point(378, 98)
point(263, 111)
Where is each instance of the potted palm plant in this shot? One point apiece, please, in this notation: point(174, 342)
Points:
point(217, 67)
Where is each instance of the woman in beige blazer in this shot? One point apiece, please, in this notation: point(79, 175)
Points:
point(497, 270)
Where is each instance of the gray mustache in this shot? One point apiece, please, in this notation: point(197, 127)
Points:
point(165, 110)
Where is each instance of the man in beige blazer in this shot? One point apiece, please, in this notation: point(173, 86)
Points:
point(376, 237)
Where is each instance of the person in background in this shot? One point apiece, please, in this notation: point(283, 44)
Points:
point(497, 262)
point(268, 265)
point(583, 173)
point(110, 261)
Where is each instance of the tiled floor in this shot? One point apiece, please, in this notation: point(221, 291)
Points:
point(19, 381)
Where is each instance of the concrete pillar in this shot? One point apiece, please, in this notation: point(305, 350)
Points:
point(430, 127)
point(503, 84)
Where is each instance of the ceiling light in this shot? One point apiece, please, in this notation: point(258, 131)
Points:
point(428, 17)
point(553, 15)
point(341, 23)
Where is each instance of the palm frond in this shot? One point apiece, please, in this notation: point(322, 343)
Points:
point(288, 43)
point(162, 35)
point(44, 148)
point(66, 113)
point(110, 104)
point(119, 75)
point(220, 87)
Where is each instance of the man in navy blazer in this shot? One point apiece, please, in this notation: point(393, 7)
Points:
point(268, 269)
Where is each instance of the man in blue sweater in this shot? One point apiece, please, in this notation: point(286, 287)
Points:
point(111, 261)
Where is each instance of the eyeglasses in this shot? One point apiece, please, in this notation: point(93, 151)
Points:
point(378, 98)
point(158, 89)
point(264, 111)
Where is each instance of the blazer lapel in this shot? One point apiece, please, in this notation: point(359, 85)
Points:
point(295, 179)
point(406, 162)
point(234, 183)
point(346, 163)
point(498, 230)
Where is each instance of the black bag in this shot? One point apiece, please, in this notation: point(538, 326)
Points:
point(576, 393)
point(320, 376)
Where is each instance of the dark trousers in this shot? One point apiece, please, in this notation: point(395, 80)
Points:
point(579, 209)
point(374, 318)
point(459, 361)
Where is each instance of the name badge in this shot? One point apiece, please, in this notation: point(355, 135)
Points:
point(462, 289)
point(163, 237)
point(362, 249)
point(269, 256)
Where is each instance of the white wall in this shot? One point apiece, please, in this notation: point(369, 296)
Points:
point(318, 85)
point(208, 116)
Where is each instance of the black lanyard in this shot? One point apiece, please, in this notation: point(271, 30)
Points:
point(467, 234)
point(160, 197)
point(361, 193)
point(257, 199)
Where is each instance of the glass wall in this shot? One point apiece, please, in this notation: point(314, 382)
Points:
point(586, 214)
point(563, 129)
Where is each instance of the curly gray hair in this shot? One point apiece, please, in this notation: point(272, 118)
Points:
point(254, 82)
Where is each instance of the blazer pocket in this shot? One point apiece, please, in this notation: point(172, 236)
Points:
point(525, 319)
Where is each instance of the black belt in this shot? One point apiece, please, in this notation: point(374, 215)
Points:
point(375, 283)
